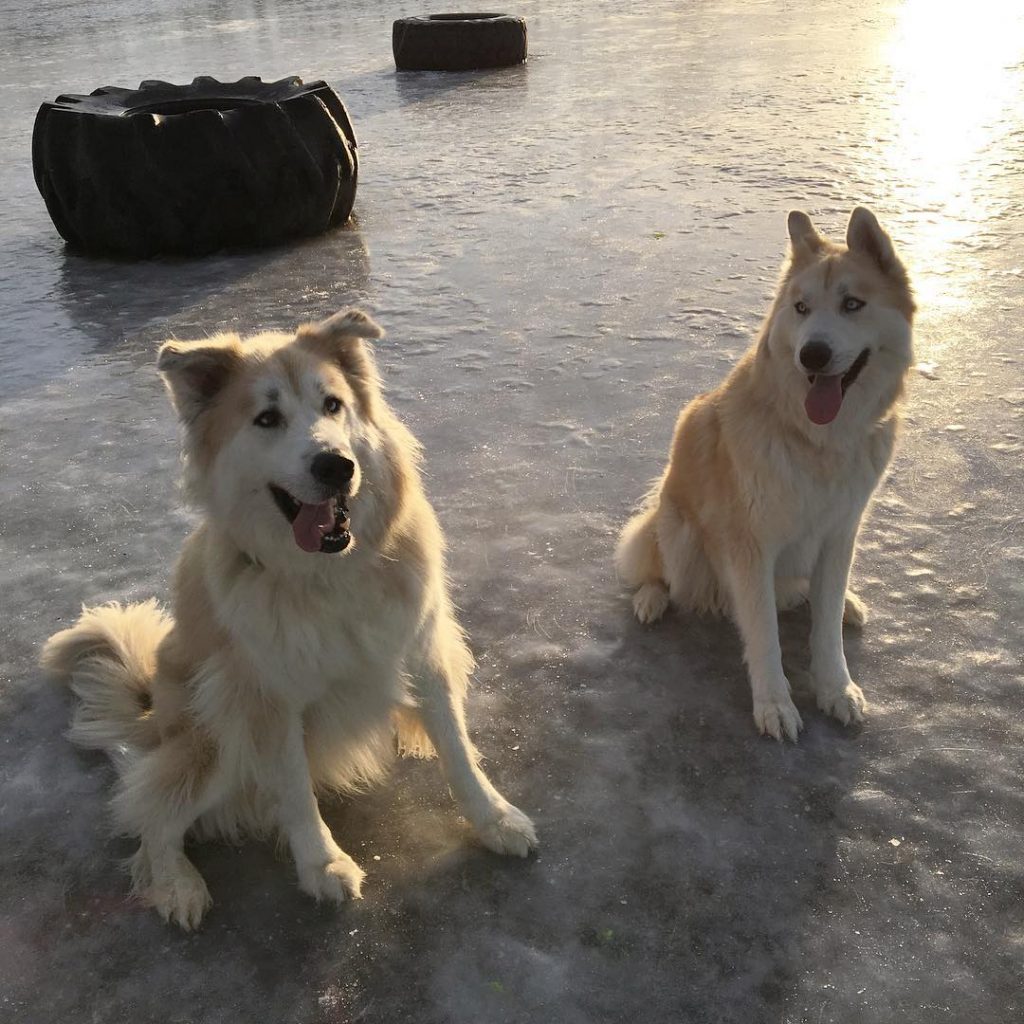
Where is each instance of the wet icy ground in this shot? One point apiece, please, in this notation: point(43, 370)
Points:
point(563, 254)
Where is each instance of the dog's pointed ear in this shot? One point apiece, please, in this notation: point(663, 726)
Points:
point(865, 235)
point(340, 339)
point(196, 371)
point(804, 240)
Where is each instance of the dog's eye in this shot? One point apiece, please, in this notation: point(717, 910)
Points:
point(851, 304)
point(332, 405)
point(802, 308)
point(268, 419)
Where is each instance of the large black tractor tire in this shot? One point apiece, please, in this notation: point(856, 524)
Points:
point(458, 42)
point(188, 169)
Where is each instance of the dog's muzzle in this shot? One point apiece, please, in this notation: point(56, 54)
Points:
point(318, 527)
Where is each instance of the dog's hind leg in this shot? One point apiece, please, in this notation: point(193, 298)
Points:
point(855, 611)
point(410, 736)
point(439, 677)
point(650, 602)
point(638, 562)
point(792, 591)
point(159, 798)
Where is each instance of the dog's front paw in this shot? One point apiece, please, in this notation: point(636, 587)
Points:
point(338, 880)
point(511, 833)
point(180, 895)
point(845, 702)
point(778, 717)
point(650, 602)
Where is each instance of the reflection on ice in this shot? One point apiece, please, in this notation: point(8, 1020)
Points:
point(951, 128)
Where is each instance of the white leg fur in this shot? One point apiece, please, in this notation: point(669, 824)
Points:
point(160, 803)
point(790, 592)
point(837, 693)
point(167, 880)
point(752, 592)
point(650, 602)
point(855, 611)
point(501, 827)
point(325, 871)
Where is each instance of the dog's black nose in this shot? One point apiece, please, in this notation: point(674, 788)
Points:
point(332, 470)
point(815, 355)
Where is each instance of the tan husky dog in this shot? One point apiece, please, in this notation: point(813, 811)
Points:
point(770, 474)
point(312, 621)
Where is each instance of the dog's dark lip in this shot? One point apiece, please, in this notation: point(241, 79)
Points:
point(852, 373)
point(288, 505)
point(337, 540)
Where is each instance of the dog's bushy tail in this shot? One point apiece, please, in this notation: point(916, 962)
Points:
point(109, 658)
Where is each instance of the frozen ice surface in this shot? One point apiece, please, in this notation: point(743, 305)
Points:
point(563, 253)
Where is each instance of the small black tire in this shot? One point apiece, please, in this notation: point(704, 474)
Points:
point(186, 170)
point(458, 42)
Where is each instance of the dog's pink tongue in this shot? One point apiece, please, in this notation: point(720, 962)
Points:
point(312, 522)
point(823, 400)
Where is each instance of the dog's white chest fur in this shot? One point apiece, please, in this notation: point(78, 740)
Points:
point(808, 505)
point(328, 634)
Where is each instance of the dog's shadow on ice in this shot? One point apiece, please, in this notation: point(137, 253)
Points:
point(701, 659)
point(740, 829)
point(405, 833)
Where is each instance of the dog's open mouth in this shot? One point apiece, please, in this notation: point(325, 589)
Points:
point(319, 527)
point(827, 390)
